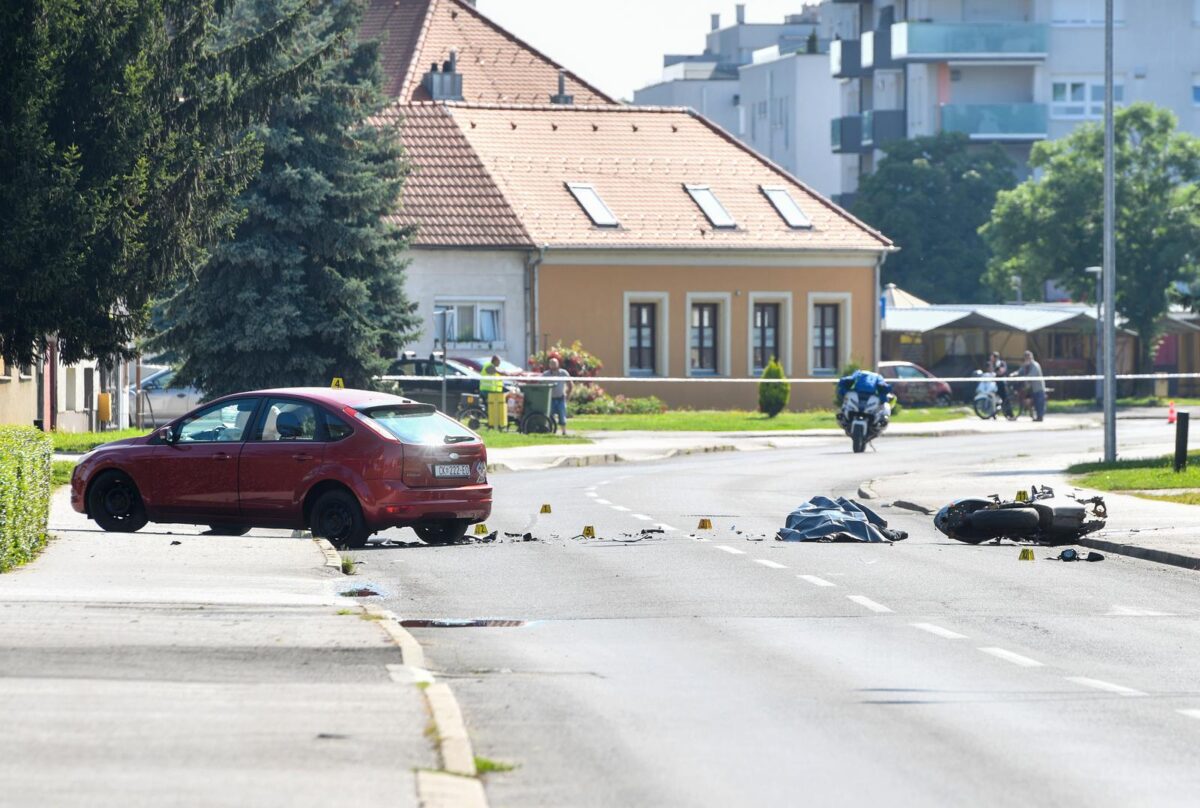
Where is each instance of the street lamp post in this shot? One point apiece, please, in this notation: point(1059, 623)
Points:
point(1110, 248)
point(1099, 350)
point(445, 315)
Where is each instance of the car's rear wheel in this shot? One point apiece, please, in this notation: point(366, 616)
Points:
point(229, 530)
point(944, 400)
point(447, 531)
point(116, 504)
point(337, 517)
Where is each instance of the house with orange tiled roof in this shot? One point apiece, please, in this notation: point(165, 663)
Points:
point(544, 211)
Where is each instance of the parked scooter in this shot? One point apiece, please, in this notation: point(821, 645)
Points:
point(864, 417)
point(1035, 516)
point(988, 403)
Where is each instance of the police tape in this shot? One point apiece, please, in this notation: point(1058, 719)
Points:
point(831, 379)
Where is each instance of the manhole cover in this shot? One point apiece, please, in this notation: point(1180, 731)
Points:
point(462, 623)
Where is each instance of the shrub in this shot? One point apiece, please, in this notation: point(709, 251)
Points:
point(604, 404)
point(773, 396)
point(574, 359)
point(25, 455)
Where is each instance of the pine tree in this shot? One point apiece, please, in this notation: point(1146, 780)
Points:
point(311, 286)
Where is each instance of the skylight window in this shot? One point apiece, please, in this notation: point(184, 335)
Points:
point(703, 196)
point(587, 197)
point(786, 207)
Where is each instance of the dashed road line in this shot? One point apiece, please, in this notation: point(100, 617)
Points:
point(602, 501)
point(592, 494)
point(1189, 713)
point(621, 508)
point(938, 631)
point(641, 516)
point(766, 562)
point(815, 581)
point(1009, 656)
point(1131, 611)
point(728, 549)
point(862, 600)
point(1108, 687)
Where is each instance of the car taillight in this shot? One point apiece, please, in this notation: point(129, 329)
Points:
point(371, 424)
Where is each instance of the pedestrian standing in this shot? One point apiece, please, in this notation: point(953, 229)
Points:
point(999, 367)
point(491, 387)
point(558, 396)
point(1037, 386)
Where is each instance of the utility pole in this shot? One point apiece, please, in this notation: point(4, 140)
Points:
point(1099, 346)
point(1110, 248)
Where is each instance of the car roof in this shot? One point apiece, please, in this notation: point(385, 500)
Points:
point(336, 397)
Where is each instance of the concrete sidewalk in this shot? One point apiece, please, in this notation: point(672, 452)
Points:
point(167, 668)
point(632, 446)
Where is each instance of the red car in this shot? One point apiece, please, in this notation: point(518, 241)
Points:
point(343, 463)
point(913, 384)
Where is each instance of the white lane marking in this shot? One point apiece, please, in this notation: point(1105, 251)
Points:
point(766, 562)
point(1130, 611)
point(1009, 656)
point(642, 516)
point(603, 501)
point(862, 600)
point(621, 508)
point(667, 527)
point(604, 482)
point(1106, 686)
point(815, 581)
point(939, 631)
point(1189, 713)
point(733, 550)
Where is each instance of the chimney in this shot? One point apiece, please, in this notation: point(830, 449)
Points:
point(716, 22)
point(446, 85)
point(741, 13)
point(562, 97)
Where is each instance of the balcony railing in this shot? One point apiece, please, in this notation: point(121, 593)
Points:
point(932, 41)
point(882, 126)
point(845, 134)
point(845, 58)
point(996, 121)
point(877, 49)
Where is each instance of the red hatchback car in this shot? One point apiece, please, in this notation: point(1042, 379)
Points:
point(343, 463)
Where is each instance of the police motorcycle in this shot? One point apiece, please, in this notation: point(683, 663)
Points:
point(866, 407)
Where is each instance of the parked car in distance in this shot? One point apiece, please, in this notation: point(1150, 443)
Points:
point(342, 463)
point(915, 385)
point(477, 364)
point(162, 400)
point(462, 387)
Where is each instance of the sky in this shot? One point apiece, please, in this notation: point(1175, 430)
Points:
point(618, 45)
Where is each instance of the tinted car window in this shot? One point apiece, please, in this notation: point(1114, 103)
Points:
point(289, 420)
point(910, 373)
point(336, 428)
point(420, 425)
point(218, 423)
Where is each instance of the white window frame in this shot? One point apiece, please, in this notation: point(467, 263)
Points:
point(1093, 19)
point(480, 303)
point(706, 198)
point(724, 305)
point(785, 332)
point(1092, 110)
point(593, 205)
point(662, 354)
point(771, 192)
point(845, 323)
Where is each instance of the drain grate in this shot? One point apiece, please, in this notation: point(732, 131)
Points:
point(462, 623)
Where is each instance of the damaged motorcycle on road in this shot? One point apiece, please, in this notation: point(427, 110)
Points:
point(1037, 516)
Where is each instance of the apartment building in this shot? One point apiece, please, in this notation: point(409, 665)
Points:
point(1010, 72)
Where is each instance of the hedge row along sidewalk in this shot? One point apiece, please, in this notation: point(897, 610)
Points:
point(24, 493)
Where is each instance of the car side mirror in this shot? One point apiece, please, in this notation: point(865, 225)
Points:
point(166, 434)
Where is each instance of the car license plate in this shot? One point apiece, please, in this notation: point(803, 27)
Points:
point(452, 470)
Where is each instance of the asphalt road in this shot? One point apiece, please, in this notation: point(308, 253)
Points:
point(724, 668)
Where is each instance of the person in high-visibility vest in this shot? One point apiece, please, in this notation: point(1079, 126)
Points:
point(491, 386)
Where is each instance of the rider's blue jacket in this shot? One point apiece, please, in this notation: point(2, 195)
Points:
point(864, 382)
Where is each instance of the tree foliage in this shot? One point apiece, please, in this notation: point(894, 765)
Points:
point(930, 195)
point(123, 143)
point(1051, 227)
point(311, 285)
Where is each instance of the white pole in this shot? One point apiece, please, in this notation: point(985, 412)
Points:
point(1110, 248)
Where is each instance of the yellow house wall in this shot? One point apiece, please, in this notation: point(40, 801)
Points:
point(18, 399)
point(588, 303)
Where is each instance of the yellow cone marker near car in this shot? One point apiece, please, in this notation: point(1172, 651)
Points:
point(481, 529)
point(705, 524)
point(546, 508)
point(589, 532)
point(1026, 554)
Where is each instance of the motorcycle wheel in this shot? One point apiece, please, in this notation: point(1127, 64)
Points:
point(984, 408)
point(860, 443)
point(1000, 522)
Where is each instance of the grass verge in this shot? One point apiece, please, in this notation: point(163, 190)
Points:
point(60, 472)
point(1070, 405)
point(511, 440)
point(1139, 474)
point(79, 442)
point(745, 421)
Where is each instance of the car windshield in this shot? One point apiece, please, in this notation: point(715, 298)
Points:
point(504, 367)
point(421, 425)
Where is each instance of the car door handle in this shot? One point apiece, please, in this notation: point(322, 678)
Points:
point(220, 456)
point(302, 457)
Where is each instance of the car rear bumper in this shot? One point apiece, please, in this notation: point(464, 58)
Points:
point(393, 504)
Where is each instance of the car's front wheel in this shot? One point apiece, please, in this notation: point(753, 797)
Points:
point(337, 517)
point(116, 504)
point(228, 530)
point(448, 531)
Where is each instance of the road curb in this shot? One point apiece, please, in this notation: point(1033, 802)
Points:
point(1143, 553)
point(332, 557)
point(611, 458)
point(410, 650)
point(865, 491)
point(453, 741)
point(441, 790)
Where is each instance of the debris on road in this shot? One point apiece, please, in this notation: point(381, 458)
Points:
point(822, 519)
point(1070, 554)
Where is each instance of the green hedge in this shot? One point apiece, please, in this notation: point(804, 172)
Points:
point(25, 455)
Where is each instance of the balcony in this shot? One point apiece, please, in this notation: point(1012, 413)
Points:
point(845, 58)
point(936, 41)
point(882, 126)
point(997, 122)
point(846, 134)
point(877, 50)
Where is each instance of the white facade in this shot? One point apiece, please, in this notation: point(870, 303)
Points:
point(714, 98)
point(484, 295)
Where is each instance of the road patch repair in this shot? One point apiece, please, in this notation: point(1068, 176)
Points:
point(822, 519)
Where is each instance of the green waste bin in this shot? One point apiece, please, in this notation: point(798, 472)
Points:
point(536, 416)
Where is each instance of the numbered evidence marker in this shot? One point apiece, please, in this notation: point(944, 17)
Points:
point(338, 384)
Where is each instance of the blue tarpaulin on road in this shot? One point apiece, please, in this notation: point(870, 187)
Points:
point(841, 519)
